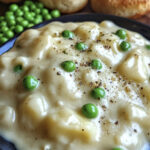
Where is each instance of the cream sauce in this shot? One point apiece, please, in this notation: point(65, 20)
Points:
point(49, 117)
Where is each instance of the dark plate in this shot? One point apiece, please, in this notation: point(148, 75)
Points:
point(123, 22)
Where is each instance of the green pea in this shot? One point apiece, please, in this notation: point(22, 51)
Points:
point(28, 3)
point(4, 29)
point(19, 19)
point(13, 7)
point(18, 28)
point(90, 110)
point(25, 8)
point(18, 68)
point(68, 66)
point(44, 11)
point(3, 23)
point(33, 7)
point(3, 40)
point(37, 11)
point(117, 148)
point(11, 22)
point(81, 46)
point(19, 13)
point(68, 34)
point(24, 23)
point(121, 33)
point(28, 16)
point(39, 5)
point(33, 14)
point(30, 82)
point(55, 13)
point(39, 17)
point(96, 64)
point(1, 35)
point(37, 21)
point(12, 28)
point(30, 25)
point(148, 47)
point(9, 13)
point(48, 17)
point(9, 34)
point(98, 93)
point(9, 17)
point(125, 46)
point(2, 18)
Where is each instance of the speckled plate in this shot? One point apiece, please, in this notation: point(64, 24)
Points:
point(123, 22)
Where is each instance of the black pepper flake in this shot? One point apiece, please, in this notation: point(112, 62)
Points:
point(138, 85)
point(135, 130)
point(96, 82)
point(108, 40)
point(111, 101)
point(98, 72)
point(80, 83)
point(91, 84)
point(55, 34)
point(85, 64)
point(135, 55)
point(141, 88)
point(107, 47)
point(116, 123)
point(82, 129)
point(102, 117)
point(58, 73)
point(104, 107)
point(100, 83)
point(65, 52)
point(98, 41)
point(89, 50)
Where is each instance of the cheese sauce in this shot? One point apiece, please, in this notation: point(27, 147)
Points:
point(49, 117)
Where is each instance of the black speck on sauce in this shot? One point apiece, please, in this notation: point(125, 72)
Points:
point(58, 73)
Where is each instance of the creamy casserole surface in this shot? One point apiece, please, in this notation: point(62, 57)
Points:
point(49, 117)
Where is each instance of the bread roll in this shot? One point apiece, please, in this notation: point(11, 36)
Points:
point(65, 6)
point(124, 8)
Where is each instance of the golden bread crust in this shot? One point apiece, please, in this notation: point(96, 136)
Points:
point(124, 8)
point(65, 6)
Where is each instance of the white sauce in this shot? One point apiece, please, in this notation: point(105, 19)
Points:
point(49, 117)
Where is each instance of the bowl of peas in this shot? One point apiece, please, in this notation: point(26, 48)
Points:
point(20, 17)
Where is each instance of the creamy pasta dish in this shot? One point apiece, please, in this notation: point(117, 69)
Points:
point(76, 86)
